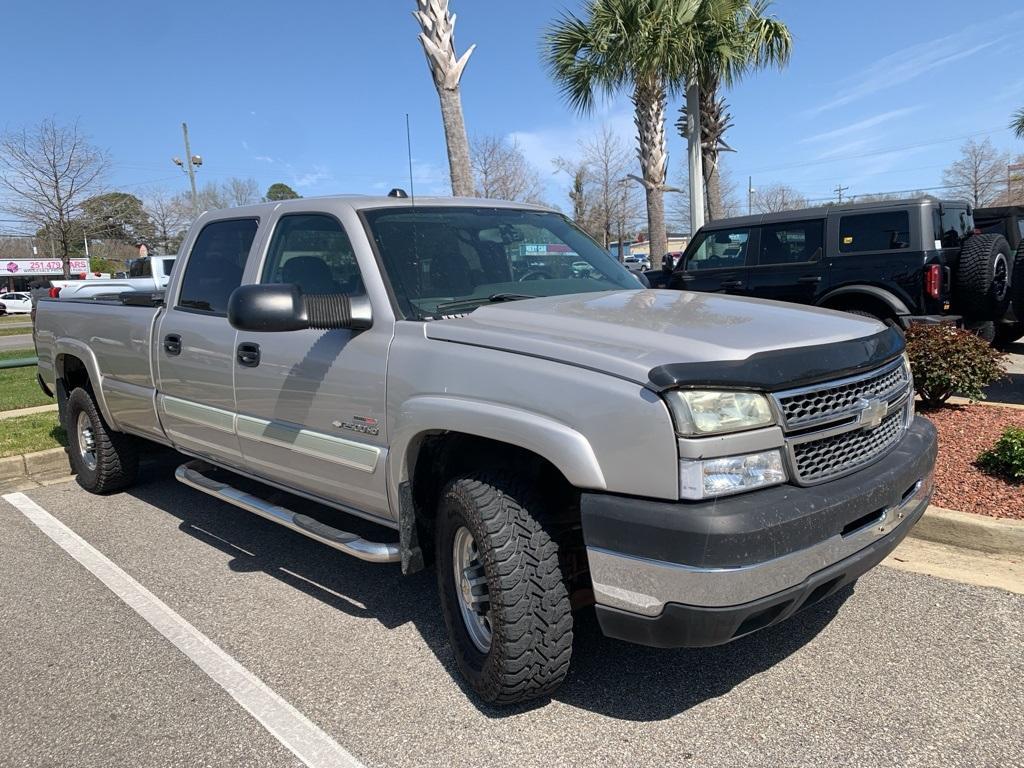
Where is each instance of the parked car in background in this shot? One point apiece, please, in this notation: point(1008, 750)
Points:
point(151, 273)
point(16, 303)
point(699, 467)
point(637, 262)
point(903, 261)
point(1008, 221)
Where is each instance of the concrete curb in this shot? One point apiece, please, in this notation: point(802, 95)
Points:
point(982, 534)
point(43, 464)
point(27, 411)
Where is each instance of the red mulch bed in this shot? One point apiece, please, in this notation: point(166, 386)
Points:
point(964, 432)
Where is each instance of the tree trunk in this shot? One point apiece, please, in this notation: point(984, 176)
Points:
point(458, 143)
point(713, 185)
point(649, 105)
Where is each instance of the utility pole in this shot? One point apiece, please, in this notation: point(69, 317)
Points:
point(694, 156)
point(750, 195)
point(189, 165)
point(839, 191)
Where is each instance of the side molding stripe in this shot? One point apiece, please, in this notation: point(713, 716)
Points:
point(337, 450)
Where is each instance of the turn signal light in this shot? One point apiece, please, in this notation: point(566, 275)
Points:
point(933, 281)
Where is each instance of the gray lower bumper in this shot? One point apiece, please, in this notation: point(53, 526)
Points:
point(644, 586)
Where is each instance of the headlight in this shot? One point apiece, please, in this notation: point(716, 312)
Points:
point(717, 477)
point(699, 412)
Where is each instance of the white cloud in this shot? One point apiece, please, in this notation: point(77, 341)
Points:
point(310, 178)
point(263, 158)
point(860, 126)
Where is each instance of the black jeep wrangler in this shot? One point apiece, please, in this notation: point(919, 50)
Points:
point(904, 261)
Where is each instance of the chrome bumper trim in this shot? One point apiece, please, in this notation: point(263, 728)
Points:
point(644, 586)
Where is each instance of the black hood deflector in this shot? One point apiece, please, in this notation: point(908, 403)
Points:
point(784, 368)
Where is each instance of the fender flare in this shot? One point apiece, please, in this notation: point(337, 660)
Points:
point(894, 302)
point(564, 447)
point(75, 348)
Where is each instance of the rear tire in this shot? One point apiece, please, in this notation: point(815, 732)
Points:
point(103, 460)
point(982, 286)
point(514, 588)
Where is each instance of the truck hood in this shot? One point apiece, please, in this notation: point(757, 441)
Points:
point(629, 333)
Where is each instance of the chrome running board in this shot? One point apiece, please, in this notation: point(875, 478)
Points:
point(193, 474)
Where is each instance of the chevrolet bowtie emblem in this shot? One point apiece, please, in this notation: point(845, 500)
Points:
point(872, 412)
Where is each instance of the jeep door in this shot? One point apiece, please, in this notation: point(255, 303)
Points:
point(717, 262)
point(876, 248)
point(195, 345)
point(790, 264)
point(311, 402)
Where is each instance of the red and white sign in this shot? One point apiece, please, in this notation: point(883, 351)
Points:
point(19, 267)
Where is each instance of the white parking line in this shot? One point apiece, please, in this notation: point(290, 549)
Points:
point(285, 723)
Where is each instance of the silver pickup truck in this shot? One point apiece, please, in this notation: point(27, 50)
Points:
point(548, 435)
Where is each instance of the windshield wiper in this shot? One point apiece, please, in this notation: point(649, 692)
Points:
point(475, 301)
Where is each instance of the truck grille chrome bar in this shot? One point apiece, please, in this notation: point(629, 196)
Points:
point(839, 427)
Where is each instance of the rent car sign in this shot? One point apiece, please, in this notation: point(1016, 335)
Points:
point(42, 266)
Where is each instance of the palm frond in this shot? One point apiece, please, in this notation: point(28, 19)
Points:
point(1017, 126)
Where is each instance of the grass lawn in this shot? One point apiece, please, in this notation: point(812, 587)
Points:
point(12, 319)
point(14, 331)
point(28, 434)
point(18, 387)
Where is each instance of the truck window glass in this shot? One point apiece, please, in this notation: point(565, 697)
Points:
point(139, 268)
point(724, 248)
point(312, 251)
point(215, 267)
point(886, 231)
point(791, 243)
point(166, 266)
point(952, 225)
point(432, 256)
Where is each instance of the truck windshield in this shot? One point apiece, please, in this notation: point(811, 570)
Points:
point(458, 258)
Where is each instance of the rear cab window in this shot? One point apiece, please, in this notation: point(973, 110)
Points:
point(719, 249)
point(215, 266)
point(952, 226)
point(868, 232)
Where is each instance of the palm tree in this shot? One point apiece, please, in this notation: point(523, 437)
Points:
point(1018, 123)
point(735, 38)
point(643, 45)
point(438, 39)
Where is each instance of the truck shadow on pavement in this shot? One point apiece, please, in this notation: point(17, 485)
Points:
point(607, 677)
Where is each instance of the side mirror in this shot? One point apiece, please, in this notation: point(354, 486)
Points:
point(667, 263)
point(284, 307)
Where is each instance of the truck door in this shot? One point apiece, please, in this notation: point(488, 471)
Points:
point(791, 264)
point(195, 345)
point(311, 402)
point(716, 262)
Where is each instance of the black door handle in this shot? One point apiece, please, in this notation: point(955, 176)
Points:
point(809, 279)
point(172, 344)
point(248, 354)
point(731, 283)
point(687, 278)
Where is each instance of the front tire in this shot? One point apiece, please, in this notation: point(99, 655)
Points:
point(103, 460)
point(507, 611)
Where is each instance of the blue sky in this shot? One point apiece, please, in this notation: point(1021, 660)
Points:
point(878, 96)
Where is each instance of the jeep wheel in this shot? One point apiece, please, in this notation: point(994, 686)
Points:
point(503, 594)
point(982, 286)
point(103, 460)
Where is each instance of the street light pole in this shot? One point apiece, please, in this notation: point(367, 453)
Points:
point(189, 165)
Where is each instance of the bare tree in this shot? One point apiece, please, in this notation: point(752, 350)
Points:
point(241, 192)
point(614, 198)
point(980, 173)
point(48, 171)
point(579, 192)
point(778, 197)
point(438, 39)
point(724, 185)
point(171, 215)
point(501, 170)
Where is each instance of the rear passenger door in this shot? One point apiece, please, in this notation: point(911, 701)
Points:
point(790, 262)
point(195, 344)
point(717, 262)
point(874, 248)
point(311, 402)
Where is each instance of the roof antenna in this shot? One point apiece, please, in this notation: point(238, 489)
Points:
point(408, 149)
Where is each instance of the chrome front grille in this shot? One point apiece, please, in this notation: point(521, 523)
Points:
point(838, 427)
point(826, 402)
point(819, 460)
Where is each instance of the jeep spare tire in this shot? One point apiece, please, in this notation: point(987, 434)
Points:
point(982, 286)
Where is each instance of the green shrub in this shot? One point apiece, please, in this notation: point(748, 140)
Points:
point(1006, 457)
point(947, 360)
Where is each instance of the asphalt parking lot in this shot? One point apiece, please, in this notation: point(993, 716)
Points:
point(905, 670)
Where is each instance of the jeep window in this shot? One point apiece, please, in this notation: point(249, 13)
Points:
point(312, 251)
point(952, 225)
point(721, 249)
point(888, 231)
point(443, 255)
point(791, 243)
point(215, 267)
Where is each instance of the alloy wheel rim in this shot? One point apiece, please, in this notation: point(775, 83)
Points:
point(471, 589)
point(999, 279)
point(86, 441)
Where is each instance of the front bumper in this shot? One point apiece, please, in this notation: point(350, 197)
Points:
point(685, 574)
